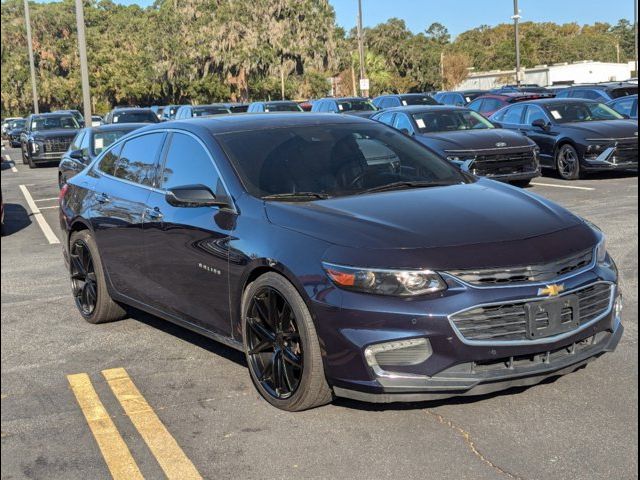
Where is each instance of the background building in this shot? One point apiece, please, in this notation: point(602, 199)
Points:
point(547, 75)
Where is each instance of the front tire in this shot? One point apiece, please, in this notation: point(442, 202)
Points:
point(88, 282)
point(568, 163)
point(281, 346)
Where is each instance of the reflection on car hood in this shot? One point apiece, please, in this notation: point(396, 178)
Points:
point(604, 129)
point(478, 213)
point(489, 139)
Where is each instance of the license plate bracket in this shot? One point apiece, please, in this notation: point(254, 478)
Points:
point(548, 318)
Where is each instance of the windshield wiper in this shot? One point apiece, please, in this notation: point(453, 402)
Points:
point(406, 185)
point(297, 195)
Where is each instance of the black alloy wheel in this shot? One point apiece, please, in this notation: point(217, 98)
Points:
point(83, 278)
point(568, 163)
point(274, 345)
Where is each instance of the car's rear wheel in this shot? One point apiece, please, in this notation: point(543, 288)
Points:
point(88, 283)
point(568, 162)
point(281, 345)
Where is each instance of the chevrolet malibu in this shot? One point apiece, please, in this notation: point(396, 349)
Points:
point(341, 256)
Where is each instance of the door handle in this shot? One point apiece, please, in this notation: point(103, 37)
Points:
point(103, 198)
point(153, 213)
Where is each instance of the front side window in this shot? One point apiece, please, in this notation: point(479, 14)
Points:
point(513, 115)
point(108, 161)
point(386, 118)
point(533, 114)
point(76, 144)
point(137, 162)
point(332, 160)
point(581, 112)
point(188, 163)
point(489, 105)
point(450, 121)
point(403, 123)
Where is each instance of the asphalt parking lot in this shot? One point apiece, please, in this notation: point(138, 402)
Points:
point(185, 407)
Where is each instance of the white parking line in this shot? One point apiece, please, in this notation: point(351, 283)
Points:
point(46, 199)
point(561, 186)
point(44, 226)
point(48, 208)
point(13, 165)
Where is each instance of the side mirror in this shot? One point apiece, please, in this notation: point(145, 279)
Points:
point(193, 196)
point(77, 155)
point(405, 131)
point(539, 123)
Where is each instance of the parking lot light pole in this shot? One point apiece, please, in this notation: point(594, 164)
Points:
point(516, 23)
point(84, 69)
point(363, 71)
point(32, 65)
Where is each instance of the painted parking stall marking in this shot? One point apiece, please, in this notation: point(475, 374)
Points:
point(35, 211)
point(10, 162)
point(570, 187)
point(114, 450)
point(164, 447)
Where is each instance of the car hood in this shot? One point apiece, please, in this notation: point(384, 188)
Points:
point(474, 140)
point(604, 129)
point(55, 133)
point(483, 224)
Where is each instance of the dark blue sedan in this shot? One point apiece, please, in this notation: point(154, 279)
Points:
point(341, 256)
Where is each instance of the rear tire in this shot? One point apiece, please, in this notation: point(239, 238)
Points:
point(293, 351)
point(88, 282)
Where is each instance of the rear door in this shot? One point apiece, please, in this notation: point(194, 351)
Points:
point(121, 195)
point(187, 247)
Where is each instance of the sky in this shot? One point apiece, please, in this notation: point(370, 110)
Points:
point(461, 15)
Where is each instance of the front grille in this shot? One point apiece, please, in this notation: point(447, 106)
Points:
point(529, 274)
point(56, 144)
point(503, 163)
point(508, 322)
point(627, 153)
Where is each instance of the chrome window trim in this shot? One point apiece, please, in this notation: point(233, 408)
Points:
point(562, 278)
point(96, 170)
point(539, 341)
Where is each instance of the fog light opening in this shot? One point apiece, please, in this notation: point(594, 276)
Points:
point(381, 356)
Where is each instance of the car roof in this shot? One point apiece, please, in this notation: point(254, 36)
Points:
point(424, 108)
point(114, 127)
point(257, 121)
point(343, 99)
point(555, 101)
point(605, 85)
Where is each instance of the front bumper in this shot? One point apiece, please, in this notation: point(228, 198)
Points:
point(457, 365)
point(612, 158)
point(468, 380)
point(46, 157)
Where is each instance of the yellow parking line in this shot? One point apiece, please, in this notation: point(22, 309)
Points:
point(164, 447)
point(115, 452)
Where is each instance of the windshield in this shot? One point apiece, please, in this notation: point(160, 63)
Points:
point(356, 106)
point(332, 160)
point(146, 116)
point(54, 123)
point(17, 124)
point(102, 140)
point(624, 92)
point(418, 100)
point(450, 121)
point(206, 111)
point(282, 107)
point(581, 112)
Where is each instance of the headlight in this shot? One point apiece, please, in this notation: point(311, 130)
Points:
point(594, 148)
point(400, 283)
point(601, 250)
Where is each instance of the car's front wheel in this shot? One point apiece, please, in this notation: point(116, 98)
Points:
point(88, 283)
point(281, 345)
point(568, 162)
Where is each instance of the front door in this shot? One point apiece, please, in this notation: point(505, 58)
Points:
point(186, 247)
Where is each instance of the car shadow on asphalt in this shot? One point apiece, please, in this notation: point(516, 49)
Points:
point(381, 407)
point(188, 336)
point(16, 218)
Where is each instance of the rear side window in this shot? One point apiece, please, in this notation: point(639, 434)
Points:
point(188, 163)
point(137, 162)
point(490, 105)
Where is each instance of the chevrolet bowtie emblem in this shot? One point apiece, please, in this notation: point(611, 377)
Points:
point(551, 290)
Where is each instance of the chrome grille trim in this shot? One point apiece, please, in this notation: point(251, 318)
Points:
point(594, 314)
point(530, 275)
